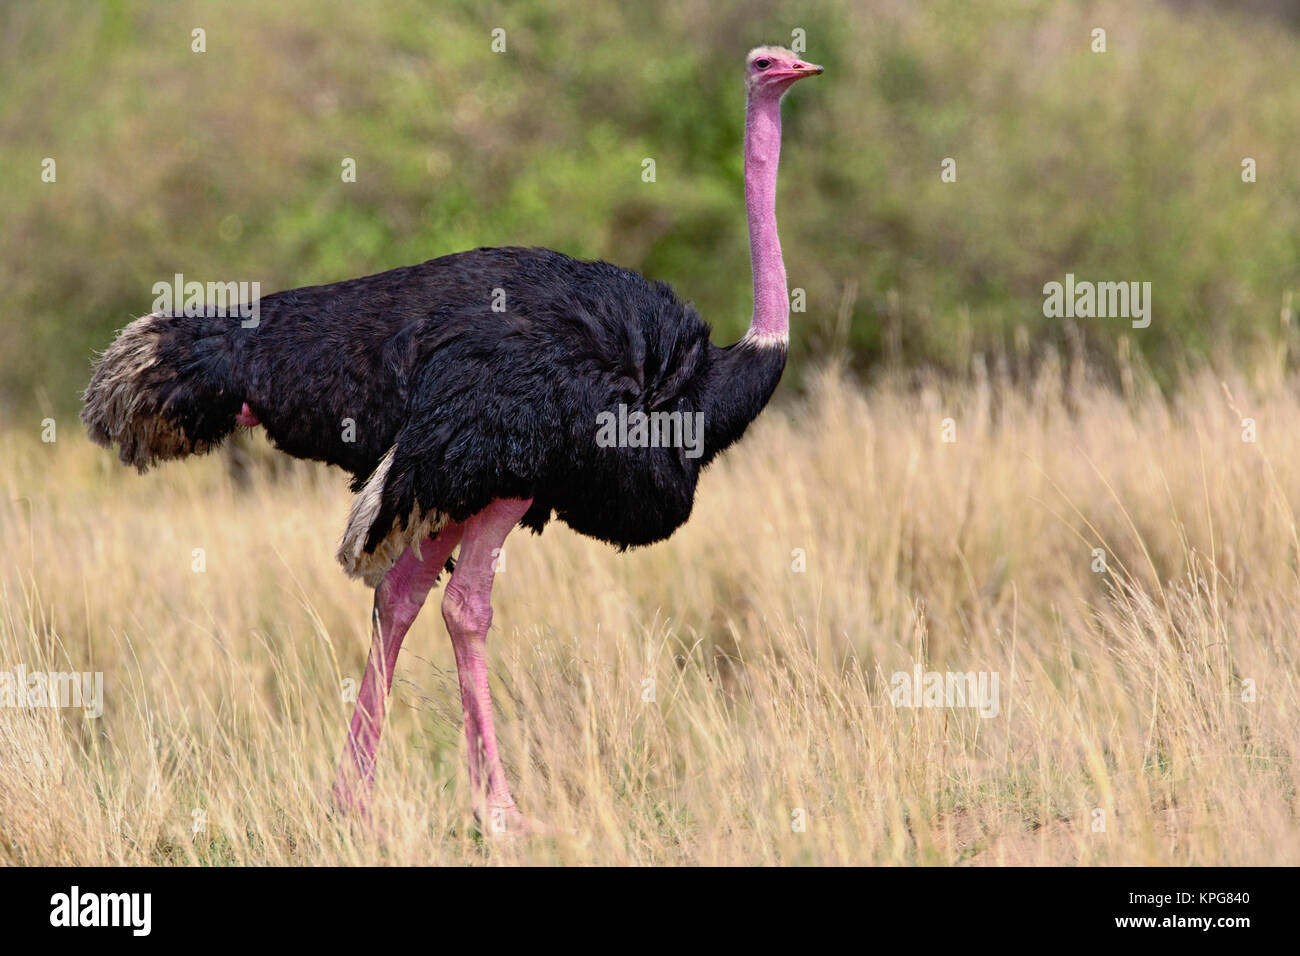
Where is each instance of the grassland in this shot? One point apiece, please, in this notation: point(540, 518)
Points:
point(1157, 699)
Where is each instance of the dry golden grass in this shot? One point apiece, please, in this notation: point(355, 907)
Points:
point(1120, 692)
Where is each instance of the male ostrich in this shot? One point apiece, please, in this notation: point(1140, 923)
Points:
point(467, 420)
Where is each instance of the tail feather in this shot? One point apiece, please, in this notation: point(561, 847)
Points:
point(161, 390)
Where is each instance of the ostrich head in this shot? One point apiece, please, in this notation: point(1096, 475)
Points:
point(771, 70)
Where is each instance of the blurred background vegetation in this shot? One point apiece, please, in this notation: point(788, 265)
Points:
point(226, 165)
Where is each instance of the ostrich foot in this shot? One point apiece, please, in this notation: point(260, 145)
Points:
point(348, 802)
point(505, 822)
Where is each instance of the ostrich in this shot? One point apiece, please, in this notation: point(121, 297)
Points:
point(467, 420)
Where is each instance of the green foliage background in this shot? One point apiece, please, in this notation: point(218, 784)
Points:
point(226, 165)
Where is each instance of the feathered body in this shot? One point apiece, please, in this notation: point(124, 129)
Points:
point(445, 385)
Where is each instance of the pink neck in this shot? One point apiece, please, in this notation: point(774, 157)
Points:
point(771, 320)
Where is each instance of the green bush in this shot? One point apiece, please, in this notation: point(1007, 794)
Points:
point(226, 165)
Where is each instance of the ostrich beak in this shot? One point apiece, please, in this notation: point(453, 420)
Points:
point(798, 70)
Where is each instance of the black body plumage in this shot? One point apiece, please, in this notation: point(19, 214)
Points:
point(484, 373)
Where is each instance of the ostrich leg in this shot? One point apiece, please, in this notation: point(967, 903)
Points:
point(398, 600)
point(467, 609)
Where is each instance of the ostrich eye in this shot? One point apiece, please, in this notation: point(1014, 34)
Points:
point(762, 64)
